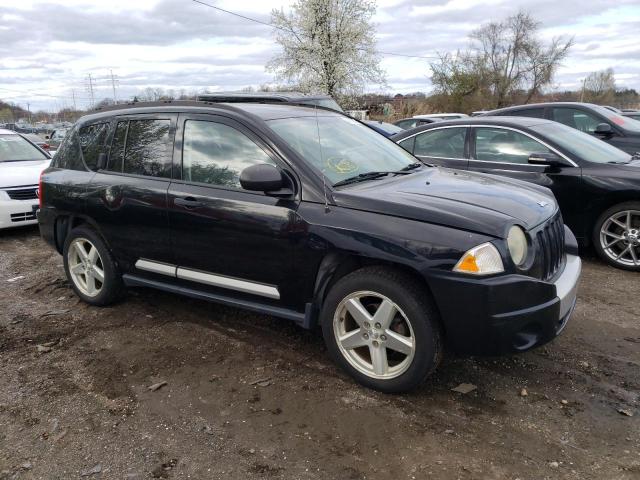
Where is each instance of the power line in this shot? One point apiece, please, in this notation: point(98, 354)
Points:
point(287, 30)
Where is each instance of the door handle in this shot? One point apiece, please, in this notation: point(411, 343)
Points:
point(188, 202)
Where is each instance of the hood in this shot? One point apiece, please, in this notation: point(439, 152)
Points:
point(466, 200)
point(16, 174)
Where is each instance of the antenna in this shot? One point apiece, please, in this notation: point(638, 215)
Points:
point(324, 181)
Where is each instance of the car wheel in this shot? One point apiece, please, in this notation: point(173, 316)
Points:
point(382, 328)
point(617, 236)
point(90, 267)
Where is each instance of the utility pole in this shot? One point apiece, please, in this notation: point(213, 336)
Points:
point(73, 96)
point(29, 110)
point(113, 85)
point(90, 89)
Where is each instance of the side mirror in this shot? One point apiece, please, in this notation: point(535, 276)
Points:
point(47, 137)
point(264, 178)
point(548, 158)
point(603, 129)
point(101, 163)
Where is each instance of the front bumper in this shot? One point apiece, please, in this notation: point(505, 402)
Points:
point(505, 314)
point(15, 213)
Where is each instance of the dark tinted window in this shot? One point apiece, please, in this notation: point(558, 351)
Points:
point(216, 153)
point(576, 118)
point(407, 144)
point(117, 147)
point(68, 153)
point(445, 143)
point(148, 148)
point(92, 142)
point(406, 124)
point(506, 146)
point(527, 112)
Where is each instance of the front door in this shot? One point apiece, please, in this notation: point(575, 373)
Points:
point(225, 238)
point(505, 151)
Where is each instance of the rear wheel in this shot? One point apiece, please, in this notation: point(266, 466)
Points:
point(90, 268)
point(617, 236)
point(380, 326)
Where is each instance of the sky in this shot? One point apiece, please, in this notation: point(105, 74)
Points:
point(47, 49)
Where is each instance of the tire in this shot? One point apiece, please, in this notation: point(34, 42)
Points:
point(612, 236)
point(363, 349)
point(105, 291)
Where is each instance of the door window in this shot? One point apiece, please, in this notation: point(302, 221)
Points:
point(443, 143)
point(92, 140)
point(505, 146)
point(576, 118)
point(216, 153)
point(148, 148)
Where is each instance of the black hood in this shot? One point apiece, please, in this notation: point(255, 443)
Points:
point(466, 200)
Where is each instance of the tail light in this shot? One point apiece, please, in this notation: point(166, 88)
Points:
point(40, 192)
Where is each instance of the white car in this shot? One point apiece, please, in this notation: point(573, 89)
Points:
point(21, 163)
point(443, 116)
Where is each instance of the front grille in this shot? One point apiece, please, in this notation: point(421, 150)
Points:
point(28, 193)
point(550, 248)
point(23, 217)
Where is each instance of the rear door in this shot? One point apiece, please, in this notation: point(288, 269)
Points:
point(445, 146)
point(505, 151)
point(128, 199)
point(225, 238)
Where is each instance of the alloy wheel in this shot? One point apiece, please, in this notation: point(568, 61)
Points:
point(85, 267)
point(374, 335)
point(620, 237)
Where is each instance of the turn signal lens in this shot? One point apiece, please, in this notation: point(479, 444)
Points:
point(481, 260)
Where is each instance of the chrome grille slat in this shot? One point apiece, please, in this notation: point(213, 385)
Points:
point(550, 248)
point(22, 193)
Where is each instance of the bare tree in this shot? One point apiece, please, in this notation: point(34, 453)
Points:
point(506, 58)
point(599, 87)
point(328, 46)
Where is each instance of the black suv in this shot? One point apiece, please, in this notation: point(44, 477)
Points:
point(605, 124)
point(307, 214)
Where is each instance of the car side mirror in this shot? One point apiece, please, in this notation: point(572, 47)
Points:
point(101, 163)
point(47, 137)
point(603, 129)
point(549, 159)
point(264, 177)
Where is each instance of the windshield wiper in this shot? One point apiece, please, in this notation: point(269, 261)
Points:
point(371, 176)
point(411, 166)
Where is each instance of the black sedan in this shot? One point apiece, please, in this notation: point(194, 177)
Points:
point(413, 122)
point(620, 131)
point(597, 185)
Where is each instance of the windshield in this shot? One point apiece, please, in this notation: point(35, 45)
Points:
point(324, 102)
point(624, 122)
point(341, 147)
point(387, 127)
point(581, 144)
point(14, 148)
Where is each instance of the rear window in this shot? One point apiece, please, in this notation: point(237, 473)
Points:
point(68, 154)
point(92, 142)
point(14, 148)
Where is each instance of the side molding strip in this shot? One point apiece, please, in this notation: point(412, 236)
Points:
point(220, 281)
point(156, 267)
point(228, 282)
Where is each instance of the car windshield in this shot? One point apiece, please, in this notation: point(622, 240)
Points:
point(387, 127)
point(14, 148)
point(624, 122)
point(325, 102)
point(341, 147)
point(583, 145)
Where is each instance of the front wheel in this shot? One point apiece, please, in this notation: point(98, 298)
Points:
point(617, 236)
point(381, 327)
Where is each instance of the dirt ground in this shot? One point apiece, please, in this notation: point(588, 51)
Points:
point(249, 396)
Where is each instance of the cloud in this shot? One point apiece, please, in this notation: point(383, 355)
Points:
point(182, 44)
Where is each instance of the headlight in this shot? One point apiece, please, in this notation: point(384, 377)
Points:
point(517, 242)
point(481, 260)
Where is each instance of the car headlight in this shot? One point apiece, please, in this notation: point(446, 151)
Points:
point(517, 243)
point(481, 260)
